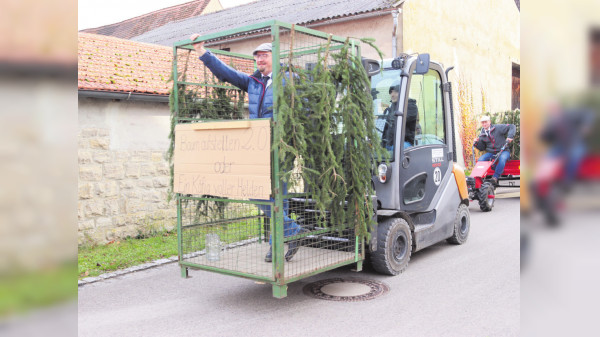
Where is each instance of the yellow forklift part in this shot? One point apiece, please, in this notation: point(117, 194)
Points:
point(461, 181)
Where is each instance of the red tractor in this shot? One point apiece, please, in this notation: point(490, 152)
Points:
point(480, 184)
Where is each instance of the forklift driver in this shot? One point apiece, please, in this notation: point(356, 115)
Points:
point(411, 120)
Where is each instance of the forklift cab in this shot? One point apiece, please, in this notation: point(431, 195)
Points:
point(412, 113)
point(421, 194)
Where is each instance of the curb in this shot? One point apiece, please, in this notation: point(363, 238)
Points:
point(153, 264)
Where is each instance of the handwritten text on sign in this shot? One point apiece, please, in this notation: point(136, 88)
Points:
point(227, 159)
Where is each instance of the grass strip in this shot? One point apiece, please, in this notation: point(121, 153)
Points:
point(120, 254)
point(21, 292)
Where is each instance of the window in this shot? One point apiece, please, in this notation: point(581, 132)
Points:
point(516, 87)
point(414, 190)
point(385, 88)
point(425, 113)
point(595, 57)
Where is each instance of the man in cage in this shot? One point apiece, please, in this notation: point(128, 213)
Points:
point(260, 104)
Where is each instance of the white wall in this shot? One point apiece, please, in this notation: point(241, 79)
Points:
point(133, 125)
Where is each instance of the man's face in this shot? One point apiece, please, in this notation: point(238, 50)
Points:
point(264, 63)
point(485, 124)
point(394, 96)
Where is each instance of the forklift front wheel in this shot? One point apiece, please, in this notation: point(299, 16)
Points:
point(394, 247)
point(462, 225)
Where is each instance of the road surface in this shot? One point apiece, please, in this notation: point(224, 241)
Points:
point(447, 290)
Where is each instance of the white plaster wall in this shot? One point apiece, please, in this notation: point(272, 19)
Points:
point(133, 125)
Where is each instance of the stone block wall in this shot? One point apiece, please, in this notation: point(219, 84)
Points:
point(123, 182)
point(121, 193)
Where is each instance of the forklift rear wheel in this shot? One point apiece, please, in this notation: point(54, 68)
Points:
point(462, 225)
point(394, 247)
point(485, 203)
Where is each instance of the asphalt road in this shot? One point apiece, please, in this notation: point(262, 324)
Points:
point(561, 268)
point(447, 290)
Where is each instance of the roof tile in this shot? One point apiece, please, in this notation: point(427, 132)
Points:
point(117, 65)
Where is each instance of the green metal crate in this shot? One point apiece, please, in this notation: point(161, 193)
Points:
point(232, 236)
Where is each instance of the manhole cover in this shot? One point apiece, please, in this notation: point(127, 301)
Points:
point(346, 290)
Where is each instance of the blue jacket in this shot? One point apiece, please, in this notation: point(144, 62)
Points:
point(260, 100)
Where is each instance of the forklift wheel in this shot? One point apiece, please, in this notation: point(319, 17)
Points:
point(485, 203)
point(394, 247)
point(462, 225)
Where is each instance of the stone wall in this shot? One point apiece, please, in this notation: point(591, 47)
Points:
point(123, 176)
point(38, 166)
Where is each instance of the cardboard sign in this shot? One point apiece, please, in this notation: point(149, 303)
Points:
point(226, 159)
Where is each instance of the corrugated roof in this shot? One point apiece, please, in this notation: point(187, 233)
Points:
point(116, 65)
point(292, 11)
point(146, 22)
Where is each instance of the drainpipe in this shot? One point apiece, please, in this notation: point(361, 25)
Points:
point(398, 5)
point(394, 37)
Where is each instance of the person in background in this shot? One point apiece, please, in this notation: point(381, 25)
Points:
point(565, 132)
point(491, 139)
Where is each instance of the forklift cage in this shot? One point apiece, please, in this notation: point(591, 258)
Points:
point(232, 236)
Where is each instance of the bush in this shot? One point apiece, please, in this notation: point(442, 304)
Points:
point(510, 117)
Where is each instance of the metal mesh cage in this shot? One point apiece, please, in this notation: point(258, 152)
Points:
point(235, 236)
point(225, 235)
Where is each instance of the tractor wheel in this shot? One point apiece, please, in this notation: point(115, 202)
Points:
point(462, 225)
point(394, 247)
point(551, 209)
point(486, 204)
point(525, 249)
point(549, 203)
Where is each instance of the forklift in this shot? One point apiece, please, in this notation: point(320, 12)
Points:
point(421, 193)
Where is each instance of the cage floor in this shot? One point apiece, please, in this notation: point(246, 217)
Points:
point(250, 259)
